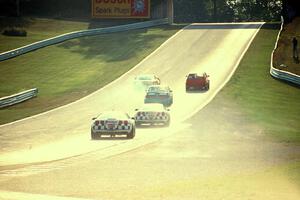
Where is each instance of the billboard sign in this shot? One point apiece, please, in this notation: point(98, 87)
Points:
point(121, 8)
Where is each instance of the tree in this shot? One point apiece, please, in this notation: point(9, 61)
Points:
point(245, 10)
point(18, 8)
point(220, 11)
point(191, 11)
point(215, 9)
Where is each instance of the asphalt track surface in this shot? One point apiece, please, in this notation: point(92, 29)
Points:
point(212, 48)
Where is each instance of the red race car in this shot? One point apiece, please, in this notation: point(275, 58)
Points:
point(195, 82)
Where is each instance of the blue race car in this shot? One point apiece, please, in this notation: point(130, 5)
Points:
point(159, 94)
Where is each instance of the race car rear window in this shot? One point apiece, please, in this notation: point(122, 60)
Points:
point(192, 76)
point(153, 89)
point(152, 93)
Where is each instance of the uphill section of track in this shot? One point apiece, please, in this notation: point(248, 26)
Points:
point(212, 48)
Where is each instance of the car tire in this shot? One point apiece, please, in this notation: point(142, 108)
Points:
point(131, 135)
point(207, 87)
point(137, 124)
point(94, 135)
point(167, 124)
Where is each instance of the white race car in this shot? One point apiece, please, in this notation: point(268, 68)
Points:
point(112, 123)
point(146, 80)
point(152, 113)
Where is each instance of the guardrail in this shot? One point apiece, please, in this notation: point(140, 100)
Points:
point(23, 96)
point(77, 34)
point(18, 98)
point(281, 74)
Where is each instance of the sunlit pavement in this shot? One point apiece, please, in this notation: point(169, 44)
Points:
point(6, 195)
point(82, 144)
point(198, 48)
point(158, 160)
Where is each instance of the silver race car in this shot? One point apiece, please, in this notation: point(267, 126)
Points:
point(152, 113)
point(112, 123)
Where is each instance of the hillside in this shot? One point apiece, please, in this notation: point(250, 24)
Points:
point(283, 56)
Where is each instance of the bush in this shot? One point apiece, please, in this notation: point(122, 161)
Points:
point(15, 32)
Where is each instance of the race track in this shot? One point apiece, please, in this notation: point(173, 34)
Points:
point(212, 48)
point(211, 154)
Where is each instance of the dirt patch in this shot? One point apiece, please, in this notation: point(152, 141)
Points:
point(283, 55)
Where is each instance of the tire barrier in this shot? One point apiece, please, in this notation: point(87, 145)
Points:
point(18, 98)
point(77, 34)
point(281, 74)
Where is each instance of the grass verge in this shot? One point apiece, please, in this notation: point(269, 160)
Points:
point(37, 29)
point(70, 70)
point(255, 100)
point(270, 103)
point(43, 28)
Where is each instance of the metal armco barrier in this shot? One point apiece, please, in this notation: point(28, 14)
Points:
point(23, 96)
point(285, 76)
point(77, 34)
point(18, 98)
point(281, 74)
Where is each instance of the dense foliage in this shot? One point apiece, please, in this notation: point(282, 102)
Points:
point(227, 10)
point(184, 10)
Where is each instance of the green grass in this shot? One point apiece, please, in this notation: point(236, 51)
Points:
point(41, 28)
point(269, 103)
point(37, 29)
point(284, 54)
point(70, 70)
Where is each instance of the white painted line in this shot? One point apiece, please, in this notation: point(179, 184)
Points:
point(8, 195)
